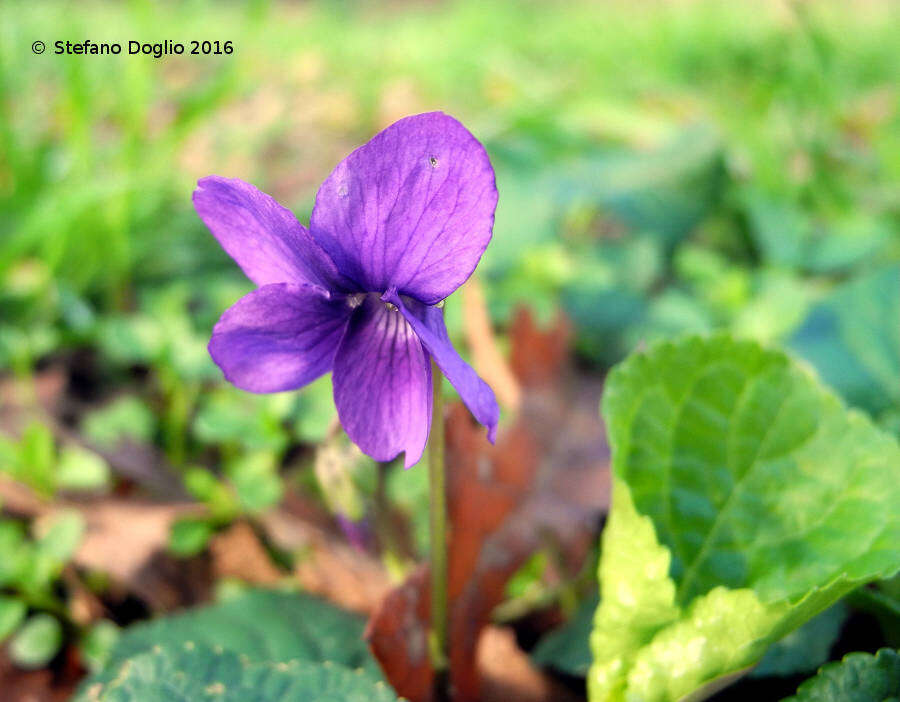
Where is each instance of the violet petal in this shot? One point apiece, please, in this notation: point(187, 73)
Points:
point(412, 209)
point(428, 324)
point(279, 337)
point(264, 238)
point(382, 384)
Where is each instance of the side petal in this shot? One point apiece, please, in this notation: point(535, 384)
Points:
point(428, 324)
point(412, 209)
point(279, 337)
point(382, 384)
point(264, 238)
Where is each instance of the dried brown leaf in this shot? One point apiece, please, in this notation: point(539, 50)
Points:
point(544, 483)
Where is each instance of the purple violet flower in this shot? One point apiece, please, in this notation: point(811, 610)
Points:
point(399, 225)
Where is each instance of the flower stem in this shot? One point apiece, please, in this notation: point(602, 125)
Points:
point(437, 636)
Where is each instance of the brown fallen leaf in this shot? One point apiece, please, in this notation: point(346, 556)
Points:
point(238, 553)
point(486, 356)
point(125, 538)
point(507, 672)
point(325, 564)
point(544, 483)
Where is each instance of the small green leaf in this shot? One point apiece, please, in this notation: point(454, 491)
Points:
point(234, 417)
point(746, 499)
point(59, 536)
point(97, 644)
point(36, 642)
point(189, 536)
point(859, 677)
point(15, 552)
point(190, 671)
point(80, 469)
point(36, 459)
point(130, 340)
point(256, 481)
point(218, 496)
point(126, 417)
point(12, 612)
point(201, 483)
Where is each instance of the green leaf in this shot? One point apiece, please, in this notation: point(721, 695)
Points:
point(189, 536)
point(80, 469)
point(12, 612)
point(36, 642)
point(97, 644)
point(847, 339)
point(746, 499)
point(859, 677)
point(206, 487)
point(190, 671)
point(232, 416)
point(36, 459)
point(256, 481)
point(126, 417)
point(131, 340)
point(787, 236)
point(59, 536)
point(567, 649)
point(15, 552)
point(264, 626)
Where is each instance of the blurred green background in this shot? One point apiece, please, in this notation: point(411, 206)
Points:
point(662, 167)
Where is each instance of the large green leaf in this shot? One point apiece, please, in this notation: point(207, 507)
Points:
point(189, 672)
point(264, 626)
point(860, 677)
point(852, 338)
point(746, 499)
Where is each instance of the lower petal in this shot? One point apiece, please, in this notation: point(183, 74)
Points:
point(428, 323)
point(382, 384)
point(279, 337)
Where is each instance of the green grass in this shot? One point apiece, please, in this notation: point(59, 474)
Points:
point(662, 165)
point(99, 153)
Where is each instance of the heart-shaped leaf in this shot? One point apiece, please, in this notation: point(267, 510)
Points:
point(188, 672)
point(264, 626)
point(746, 499)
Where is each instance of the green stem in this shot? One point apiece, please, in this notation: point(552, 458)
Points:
point(438, 515)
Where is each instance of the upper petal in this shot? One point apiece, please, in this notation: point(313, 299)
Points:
point(412, 209)
point(428, 323)
point(382, 384)
point(264, 238)
point(279, 337)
